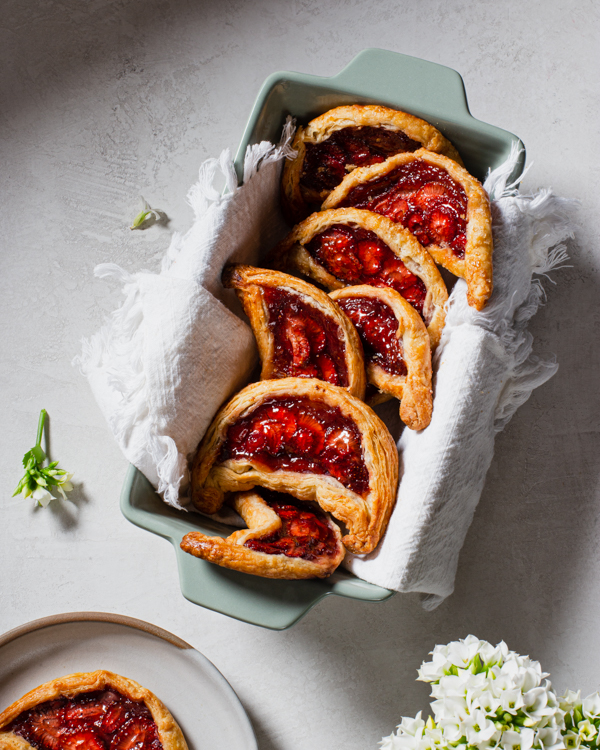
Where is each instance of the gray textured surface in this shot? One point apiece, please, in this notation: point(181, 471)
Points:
point(102, 101)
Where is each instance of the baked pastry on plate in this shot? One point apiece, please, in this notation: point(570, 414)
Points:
point(349, 246)
point(90, 711)
point(396, 346)
point(347, 137)
point(444, 206)
point(306, 438)
point(285, 538)
point(300, 332)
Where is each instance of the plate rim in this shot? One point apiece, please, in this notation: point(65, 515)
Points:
point(88, 616)
point(113, 618)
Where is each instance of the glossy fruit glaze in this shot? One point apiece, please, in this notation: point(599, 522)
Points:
point(421, 197)
point(307, 344)
point(305, 531)
point(99, 720)
point(378, 329)
point(327, 163)
point(298, 434)
point(358, 256)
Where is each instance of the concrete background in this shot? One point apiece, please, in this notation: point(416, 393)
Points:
point(103, 101)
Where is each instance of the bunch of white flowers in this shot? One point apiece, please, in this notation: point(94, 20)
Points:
point(489, 697)
point(582, 720)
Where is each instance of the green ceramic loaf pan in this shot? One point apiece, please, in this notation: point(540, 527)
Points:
point(430, 91)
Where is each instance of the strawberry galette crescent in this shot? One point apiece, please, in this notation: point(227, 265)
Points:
point(396, 346)
point(305, 438)
point(285, 538)
point(90, 711)
point(437, 200)
point(348, 246)
point(300, 332)
point(343, 139)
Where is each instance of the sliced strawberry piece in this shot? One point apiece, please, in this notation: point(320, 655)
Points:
point(328, 371)
point(256, 441)
point(309, 437)
point(371, 256)
point(397, 275)
point(343, 441)
point(274, 436)
point(299, 345)
point(316, 335)
point(416, 294)
point(137, 734)
point(442, 227)
point(84, 713)
point(429, 194)
point(415, 223)
point(358, 151)
point(396, 209)
point(44, 726)
point(115, 717)
point(283, 416)
point(84, 740)
point(337, 252)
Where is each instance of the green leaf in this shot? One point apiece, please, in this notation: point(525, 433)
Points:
point(20, 486)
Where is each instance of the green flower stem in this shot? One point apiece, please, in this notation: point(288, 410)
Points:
point(40, 432)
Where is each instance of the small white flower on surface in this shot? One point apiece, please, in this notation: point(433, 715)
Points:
point(39, 478)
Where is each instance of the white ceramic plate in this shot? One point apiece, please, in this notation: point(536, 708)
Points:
point(199, 697)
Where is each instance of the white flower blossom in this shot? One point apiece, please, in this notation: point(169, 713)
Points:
point(591, 706)
point(42, 496)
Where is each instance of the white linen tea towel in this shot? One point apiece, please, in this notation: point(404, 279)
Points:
point(168, 358)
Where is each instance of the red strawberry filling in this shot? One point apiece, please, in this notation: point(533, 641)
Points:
point(377, 327)
point(99, 720)
point(358, 256)
point(304, 531)
point(300, 435)
point(421, 197)
point(327, 163)
point(307, 344)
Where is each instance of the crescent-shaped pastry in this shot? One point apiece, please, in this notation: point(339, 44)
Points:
point(343, 139)
point(396, 346)
point(89, 711)
point(444, 206)
point(300, 332)
point(284, 539)
point(349, 246)
point(306, 438)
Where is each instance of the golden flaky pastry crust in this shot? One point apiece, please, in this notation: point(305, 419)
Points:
point(413, 389)
point(249, 282)
point(290, 253)
point(261, 521)
point(476, 266)
point(71, 685)
point(296, 199)
point(365, 517)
